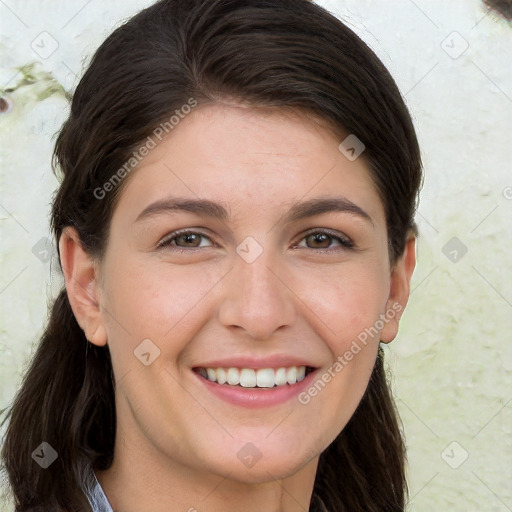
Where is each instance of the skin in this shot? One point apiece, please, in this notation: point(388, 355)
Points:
point(176, 443)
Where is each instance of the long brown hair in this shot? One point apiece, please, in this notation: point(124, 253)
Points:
point(279, 53)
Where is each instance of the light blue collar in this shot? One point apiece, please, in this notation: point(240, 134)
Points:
point(95, 494)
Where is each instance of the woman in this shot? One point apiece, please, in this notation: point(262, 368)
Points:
point(235, 225)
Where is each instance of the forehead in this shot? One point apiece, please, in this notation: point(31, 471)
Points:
point(249, 158)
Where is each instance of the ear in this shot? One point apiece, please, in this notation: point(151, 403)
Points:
point(81, 276)
point(399, 290)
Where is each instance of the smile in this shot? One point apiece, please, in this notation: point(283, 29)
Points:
point(255, 378)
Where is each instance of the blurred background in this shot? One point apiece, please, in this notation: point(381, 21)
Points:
point(451, 365)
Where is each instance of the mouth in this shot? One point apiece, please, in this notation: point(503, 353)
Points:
point(252, 378)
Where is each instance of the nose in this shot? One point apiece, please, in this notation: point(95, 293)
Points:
point(257, 298)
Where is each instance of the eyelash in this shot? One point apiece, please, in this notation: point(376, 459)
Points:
point(345, 242)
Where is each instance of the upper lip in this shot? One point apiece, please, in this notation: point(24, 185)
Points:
point(276, 361)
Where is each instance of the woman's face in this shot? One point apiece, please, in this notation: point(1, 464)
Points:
point(285, 265)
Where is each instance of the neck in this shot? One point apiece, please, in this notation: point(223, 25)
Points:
point(141, 477)
point(131, 486)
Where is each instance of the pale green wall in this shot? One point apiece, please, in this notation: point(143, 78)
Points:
point(452, 362)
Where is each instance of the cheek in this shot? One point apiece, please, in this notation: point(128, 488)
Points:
point(155, 296)
point(345, 300)
point(156, 300)
point(345, 305)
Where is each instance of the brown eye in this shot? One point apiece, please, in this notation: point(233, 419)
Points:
point(326, 240)
point(318, 241)
point(184, 240)
point(189, 239)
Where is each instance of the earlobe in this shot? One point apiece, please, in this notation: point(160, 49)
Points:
point(399, 291)
point(80, 274)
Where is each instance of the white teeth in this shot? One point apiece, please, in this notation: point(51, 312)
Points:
point(261, 378)
point(265, 378)
point(291, 375)
point(233, 376)
point(221, 376)
point(247, 378)
point(280, 377)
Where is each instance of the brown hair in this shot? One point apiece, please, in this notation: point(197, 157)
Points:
point(278, 53)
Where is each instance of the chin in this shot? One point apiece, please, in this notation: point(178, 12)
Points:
point(266, 471)
point(256, 466)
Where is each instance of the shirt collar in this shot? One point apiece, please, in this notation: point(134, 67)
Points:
point(95, 494)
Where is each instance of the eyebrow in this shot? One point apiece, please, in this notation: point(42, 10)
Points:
point(211, 209)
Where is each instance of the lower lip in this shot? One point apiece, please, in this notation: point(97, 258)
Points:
point(256, 397)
